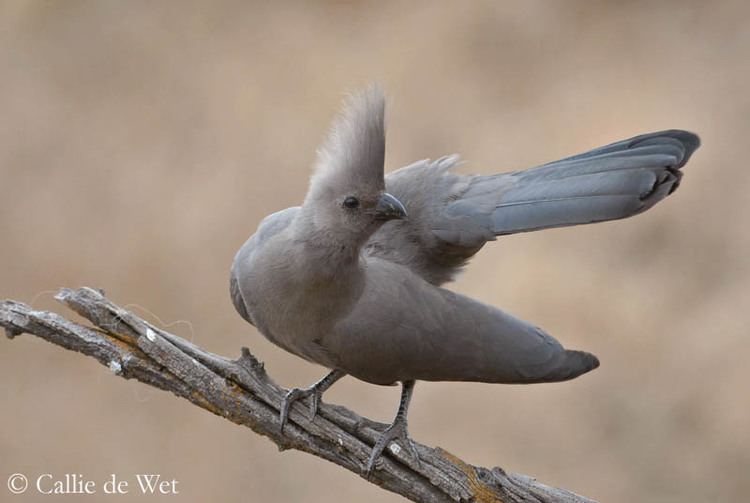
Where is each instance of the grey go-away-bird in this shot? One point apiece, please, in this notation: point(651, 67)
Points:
point(351, 280)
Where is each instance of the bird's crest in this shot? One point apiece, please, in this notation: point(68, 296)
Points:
point(353, 152)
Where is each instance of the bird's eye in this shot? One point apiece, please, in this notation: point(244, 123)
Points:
point(351, 202)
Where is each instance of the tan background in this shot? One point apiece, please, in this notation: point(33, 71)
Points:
point(142, 142)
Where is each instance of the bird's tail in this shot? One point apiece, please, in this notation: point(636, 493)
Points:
point(611, 182)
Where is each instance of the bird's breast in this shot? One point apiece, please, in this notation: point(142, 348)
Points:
point(297, 309)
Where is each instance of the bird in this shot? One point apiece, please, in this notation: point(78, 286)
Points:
point(352, 279)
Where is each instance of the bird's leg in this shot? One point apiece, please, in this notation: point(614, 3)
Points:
point(314, 392)
point(397, 430)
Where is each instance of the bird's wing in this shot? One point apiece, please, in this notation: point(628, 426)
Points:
point(452, 216)
point(404, 328)
point(269, 227)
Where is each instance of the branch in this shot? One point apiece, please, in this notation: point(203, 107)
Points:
point(242, 392)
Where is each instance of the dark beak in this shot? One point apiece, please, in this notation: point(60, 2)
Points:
point(389, 208)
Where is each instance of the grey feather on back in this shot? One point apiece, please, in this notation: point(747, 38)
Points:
point(427, 188)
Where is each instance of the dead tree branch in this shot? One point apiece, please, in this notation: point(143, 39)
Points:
point(241, 391)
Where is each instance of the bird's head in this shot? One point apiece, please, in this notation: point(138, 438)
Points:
point(347, 200)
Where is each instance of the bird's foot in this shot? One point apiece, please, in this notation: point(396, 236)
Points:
point(313, 393)
point(396, 431)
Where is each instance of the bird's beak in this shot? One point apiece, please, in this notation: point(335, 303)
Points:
point(389, 208)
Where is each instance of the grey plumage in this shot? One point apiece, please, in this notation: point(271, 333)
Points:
point(454, 215)
point(346, 282)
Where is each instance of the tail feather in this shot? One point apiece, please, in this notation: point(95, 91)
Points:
point(685, 141)
point(452, 216)
point(612, 182)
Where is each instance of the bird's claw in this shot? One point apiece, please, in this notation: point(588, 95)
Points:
point(292, 396)
point(396, 431)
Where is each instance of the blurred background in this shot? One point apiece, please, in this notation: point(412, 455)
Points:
point(142, 142)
